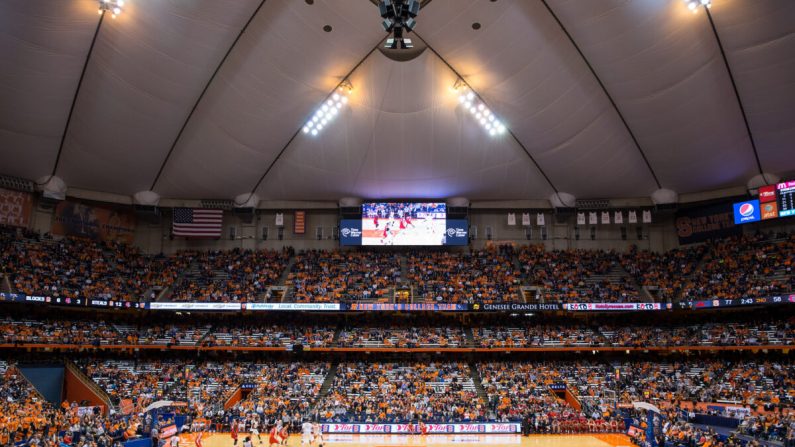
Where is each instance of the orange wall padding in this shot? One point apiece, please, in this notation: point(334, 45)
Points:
point(76, 391)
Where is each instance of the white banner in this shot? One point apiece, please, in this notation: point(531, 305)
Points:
point(526, 219)
point(646, 216)
point(193, 306)
point(611, 306)
point(580, 218)
point(605, 217)
point(511, 218)
point(618, 217)
point(592, 220)
point(633, 217)
point(392, 439)
point(279, 219)
point(291, 306)
point(540, 219)
point(506, 428)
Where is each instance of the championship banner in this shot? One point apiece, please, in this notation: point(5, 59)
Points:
point(291, 306)
point(526, 219)
point(299, 224)
point(94, 222)
point(505, 428)
point(592, 220)
point(633, 217)
point(698, 224)
point(511, 218)
point(15, 208)
point(580, 218)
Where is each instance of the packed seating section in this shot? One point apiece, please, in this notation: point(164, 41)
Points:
point(736, 267)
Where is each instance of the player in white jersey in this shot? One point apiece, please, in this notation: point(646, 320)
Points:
point(306, 433)
point(247, 442)
point(255, 428)
point(317, 434)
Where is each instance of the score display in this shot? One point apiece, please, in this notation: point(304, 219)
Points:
point(774, 201)
point(404, 224)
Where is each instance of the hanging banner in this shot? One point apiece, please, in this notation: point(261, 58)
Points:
point(511, 218)
point(279, 219)
point(605, 217)
point(618, 217)
point(299, 224)
point(592, 218)
point(540, 219)
point(646, 216)
point(94, 222)
point(580, 218)
point(526, 219)
point(15, 208)
point(633, 217)
point(698, 224)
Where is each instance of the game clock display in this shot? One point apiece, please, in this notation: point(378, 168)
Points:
point(774, 201)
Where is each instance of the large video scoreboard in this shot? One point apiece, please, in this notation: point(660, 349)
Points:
point(404, 223)
point(774, 201)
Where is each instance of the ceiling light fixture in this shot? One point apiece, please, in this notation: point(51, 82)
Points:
point(112, 6)
point(475, 106)
point(329, 109)
point(398, 15)
point(693, 5)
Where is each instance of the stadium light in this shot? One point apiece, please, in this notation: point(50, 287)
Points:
point(112, 6)
point(329, 110)
point(693, 5)
point(479, 111)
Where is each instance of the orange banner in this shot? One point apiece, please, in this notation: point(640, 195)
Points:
point(95, 222)
point(299, 226)
point(15, 208)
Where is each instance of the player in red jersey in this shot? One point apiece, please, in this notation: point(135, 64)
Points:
point(234, 431)
point(423, 428)
point(274, 438)
point(284, 435)
point(375, 220)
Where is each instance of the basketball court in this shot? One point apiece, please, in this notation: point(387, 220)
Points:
point(339, 440)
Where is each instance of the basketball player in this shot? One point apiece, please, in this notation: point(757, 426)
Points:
point(247, 442)
point(274, 438)
point(317, 435)
point(306, 433)
point(174, 441)
point(423, 429)
point(255, 428)
point(375, 220)
point(234, 431)
point(198, 440)
point(284, 434)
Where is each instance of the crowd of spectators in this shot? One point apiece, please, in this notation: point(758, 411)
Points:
point(393, 392)
point(744, 266)
point(83, 332)
point(576, 275)
point(397, 337)
point(230, 276)
point(270, 336)
point(339, 276)
point(486, 276)
point(26, 418)
point(69, 267)
point(536, 336)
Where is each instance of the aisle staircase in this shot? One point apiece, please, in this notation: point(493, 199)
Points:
point(326, 386)
point(477, 381)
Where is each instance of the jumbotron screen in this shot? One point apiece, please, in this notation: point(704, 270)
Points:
point(404, 224)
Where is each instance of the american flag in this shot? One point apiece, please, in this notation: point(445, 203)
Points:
point(197, 222)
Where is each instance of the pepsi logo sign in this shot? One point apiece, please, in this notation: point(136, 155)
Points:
point(746, 209)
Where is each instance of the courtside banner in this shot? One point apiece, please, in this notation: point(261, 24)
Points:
point(194, 306)
point(506, 428)
point(420, 307)
point(291, 306)
point(516, 307)
point(575, 307)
